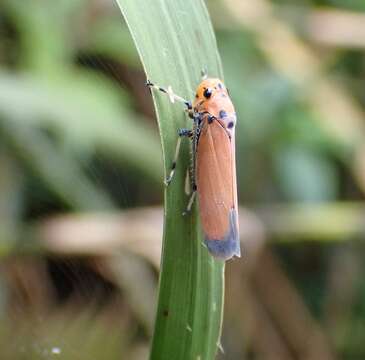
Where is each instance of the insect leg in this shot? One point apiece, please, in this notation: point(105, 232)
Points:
point(204, 73)
point(190, 112)
point(197, 117)
point(191, 201)
point(172, 96)
point(181, 133)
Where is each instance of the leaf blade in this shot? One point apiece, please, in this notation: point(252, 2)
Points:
point(175, 41)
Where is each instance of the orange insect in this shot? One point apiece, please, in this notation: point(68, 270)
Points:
point(213, 170)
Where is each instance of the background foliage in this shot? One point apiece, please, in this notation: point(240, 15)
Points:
point(81, 170)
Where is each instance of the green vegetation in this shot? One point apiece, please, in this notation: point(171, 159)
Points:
point(81, 171)
point(175, 41)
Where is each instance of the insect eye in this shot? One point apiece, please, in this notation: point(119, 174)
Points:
point(207, 93)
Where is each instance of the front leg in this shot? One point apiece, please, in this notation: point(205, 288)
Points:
point(172, 96)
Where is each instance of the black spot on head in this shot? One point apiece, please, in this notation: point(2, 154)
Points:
point(196, 96)
point(222, 114)
point(208, 93)
point(230, 125)
point(220, 85)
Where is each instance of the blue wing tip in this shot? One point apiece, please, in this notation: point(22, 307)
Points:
point(224, 249)
point(228, 247)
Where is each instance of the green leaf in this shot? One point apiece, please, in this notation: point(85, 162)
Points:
point(304, 175)
point(50, 164)
point(175, 41)
point(87, 115)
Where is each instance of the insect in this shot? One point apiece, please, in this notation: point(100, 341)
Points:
point(213, 170)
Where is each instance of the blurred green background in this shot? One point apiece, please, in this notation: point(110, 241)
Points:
point(81, 181)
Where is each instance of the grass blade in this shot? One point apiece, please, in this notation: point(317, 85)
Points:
point(175, 42)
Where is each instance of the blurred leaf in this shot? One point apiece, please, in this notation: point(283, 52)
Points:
point(61, 173)
point(42, 32)
point(86, 114)
point(357, 5)
point(11, 190)
point(127, 268)
point(113, 39)
point(305, 176)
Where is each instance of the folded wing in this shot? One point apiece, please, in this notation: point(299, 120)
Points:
point(217, 190)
